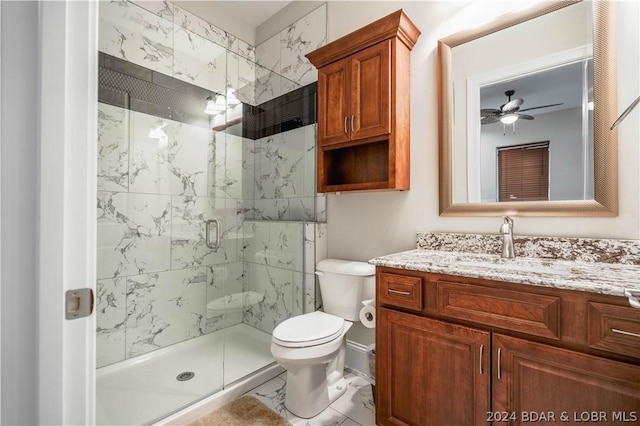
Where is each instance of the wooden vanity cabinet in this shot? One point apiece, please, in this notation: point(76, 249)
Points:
point(472, 351)
point(428, 372)
point(363, 107)
point(537, 379)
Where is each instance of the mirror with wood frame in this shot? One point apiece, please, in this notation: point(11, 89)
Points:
point(526, 105)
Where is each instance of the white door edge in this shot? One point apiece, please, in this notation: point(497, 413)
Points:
point(67, 222)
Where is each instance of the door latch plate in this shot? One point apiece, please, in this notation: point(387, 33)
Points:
point(78, 303)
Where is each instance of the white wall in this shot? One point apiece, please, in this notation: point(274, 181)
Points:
point(365, 225)
point(563, 130)
point(19, 137)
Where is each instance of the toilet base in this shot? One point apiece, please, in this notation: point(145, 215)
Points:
point(309, 392)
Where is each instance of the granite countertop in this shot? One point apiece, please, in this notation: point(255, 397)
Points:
point(597, 277)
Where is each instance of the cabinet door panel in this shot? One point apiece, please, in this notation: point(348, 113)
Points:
point(429, 372)
point(370, 88)
point(537, 378)
point(333, 103)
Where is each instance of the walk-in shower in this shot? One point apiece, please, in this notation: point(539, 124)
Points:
point(209, 225)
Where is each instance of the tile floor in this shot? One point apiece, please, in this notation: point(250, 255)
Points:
point(353, 408)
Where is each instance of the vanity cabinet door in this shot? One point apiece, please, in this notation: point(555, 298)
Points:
point(429, 372)
point(532, 379)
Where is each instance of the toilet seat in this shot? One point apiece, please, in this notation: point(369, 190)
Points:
point(310, 329)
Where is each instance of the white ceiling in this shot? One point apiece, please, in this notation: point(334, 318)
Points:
point(253, 13)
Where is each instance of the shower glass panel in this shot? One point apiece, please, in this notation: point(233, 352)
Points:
point(180, 317)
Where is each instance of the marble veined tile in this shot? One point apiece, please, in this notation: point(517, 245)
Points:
point(110, 321)
point(298, 293)
point(216, 165)
point(276, 287)
point(113, 148)
point(302, 208)
point(248, 169)
point(357, 402)
point(241, 78)
point(199, 26)
point(286, 245)
point(321, 207)
point(162, 8)
point(309, 247)
point(175, 164)
point(188, 232)
point(225, 297)
point(256, 242)
point(273, 394)
point(309, 177)
point(303, 36)
point(134, 34)
point(199, 61)
point(246, 50)
point(164, 308)
point(268, 84)
point(281, 164)
point(268, 53)
point(234, 167)
point(322, 242)
point(133, 234)
point(309, 289)
point(271, 209)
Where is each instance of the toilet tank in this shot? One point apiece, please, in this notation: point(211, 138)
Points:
point(344, 284)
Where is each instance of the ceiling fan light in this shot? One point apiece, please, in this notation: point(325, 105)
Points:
point(509, 119)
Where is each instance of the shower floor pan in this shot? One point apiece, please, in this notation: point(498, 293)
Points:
point(144, 389)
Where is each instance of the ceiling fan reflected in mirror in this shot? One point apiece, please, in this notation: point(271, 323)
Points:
point(509, 112)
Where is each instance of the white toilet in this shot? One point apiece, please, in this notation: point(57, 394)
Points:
point(312, 347)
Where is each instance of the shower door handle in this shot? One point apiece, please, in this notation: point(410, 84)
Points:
point(216, 244)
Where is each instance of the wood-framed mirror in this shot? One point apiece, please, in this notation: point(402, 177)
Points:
point(519, 65)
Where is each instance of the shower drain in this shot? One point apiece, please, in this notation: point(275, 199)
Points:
point(185, 375)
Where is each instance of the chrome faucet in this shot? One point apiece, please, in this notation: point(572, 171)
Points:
point(506, 230)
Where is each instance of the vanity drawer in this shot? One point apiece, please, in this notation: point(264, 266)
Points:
point(614, 328)
point(400, 290)
point(524, 312)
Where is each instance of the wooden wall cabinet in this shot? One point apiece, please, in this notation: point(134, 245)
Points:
point(474, 351)
point(364, 107)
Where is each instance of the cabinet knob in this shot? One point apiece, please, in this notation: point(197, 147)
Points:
point(345, 124)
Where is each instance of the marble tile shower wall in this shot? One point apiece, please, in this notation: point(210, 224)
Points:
point(158, 283)
point(164, 37)
point(284, 178)
point(279, 261)
point(156, 275)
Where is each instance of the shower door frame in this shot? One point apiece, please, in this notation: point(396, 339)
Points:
point(67, 107)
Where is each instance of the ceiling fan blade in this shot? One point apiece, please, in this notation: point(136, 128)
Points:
point(489, 119)
point(486, 112)
point(512, 105)
point(525, 116)
point(538, 107)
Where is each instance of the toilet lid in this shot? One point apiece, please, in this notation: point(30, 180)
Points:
point(310, 329)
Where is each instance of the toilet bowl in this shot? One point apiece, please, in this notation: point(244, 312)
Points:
point(312, 347)
point(314, 367)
